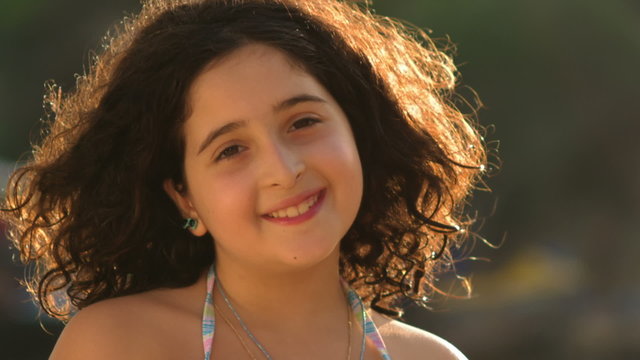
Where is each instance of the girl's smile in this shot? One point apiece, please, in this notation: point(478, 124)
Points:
point(298, 211)
point(271, 167)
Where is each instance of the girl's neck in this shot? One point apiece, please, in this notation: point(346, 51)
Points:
point(290, 298)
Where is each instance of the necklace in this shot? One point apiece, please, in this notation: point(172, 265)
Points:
point(261, 347)
point(244, 344)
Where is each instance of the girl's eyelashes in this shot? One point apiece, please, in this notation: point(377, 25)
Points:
point(233, 150)
point(304, 122)
point(228, 152)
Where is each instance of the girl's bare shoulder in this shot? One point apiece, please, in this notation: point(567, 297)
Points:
point(140, 326)
point(406, 342)
point(104, 330)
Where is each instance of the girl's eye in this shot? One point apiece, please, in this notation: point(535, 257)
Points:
point(228, 152)
point(304, 122)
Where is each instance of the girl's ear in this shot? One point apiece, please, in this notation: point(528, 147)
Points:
point(181, 198)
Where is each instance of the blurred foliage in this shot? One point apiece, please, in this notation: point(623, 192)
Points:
point(559, 80)
point(14, 12)
point(42, 40)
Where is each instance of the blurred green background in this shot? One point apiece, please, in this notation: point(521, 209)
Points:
point(559, 80)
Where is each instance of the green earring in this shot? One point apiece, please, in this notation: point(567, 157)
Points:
point(190, 224)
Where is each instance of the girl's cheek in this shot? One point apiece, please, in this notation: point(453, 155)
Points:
point(239, 180)
point(342, 148)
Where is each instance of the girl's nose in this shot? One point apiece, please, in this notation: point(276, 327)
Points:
point(282, 166)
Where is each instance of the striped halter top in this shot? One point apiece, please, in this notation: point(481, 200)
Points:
point(209, 322)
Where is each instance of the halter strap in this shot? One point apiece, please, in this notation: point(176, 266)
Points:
point(370, 329)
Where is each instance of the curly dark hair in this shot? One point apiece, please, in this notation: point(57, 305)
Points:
point(89, 209)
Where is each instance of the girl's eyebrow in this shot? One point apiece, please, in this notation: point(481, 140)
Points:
point(290, 102)
point(227, 128)
point(279, 107)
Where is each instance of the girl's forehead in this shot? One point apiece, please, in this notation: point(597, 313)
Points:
point(254, 51)
point(250, 85)
point(250, 76)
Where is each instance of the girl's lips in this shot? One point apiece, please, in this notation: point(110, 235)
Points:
point(293, 201)
point(313, 210)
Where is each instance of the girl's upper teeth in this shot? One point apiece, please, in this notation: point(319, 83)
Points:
point(297, 210)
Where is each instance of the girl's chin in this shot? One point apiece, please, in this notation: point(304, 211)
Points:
point(282, 254)
point(307, 259)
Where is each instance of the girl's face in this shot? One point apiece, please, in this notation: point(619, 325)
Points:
point(272, 169)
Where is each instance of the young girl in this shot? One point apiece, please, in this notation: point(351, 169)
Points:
point(248, 179)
